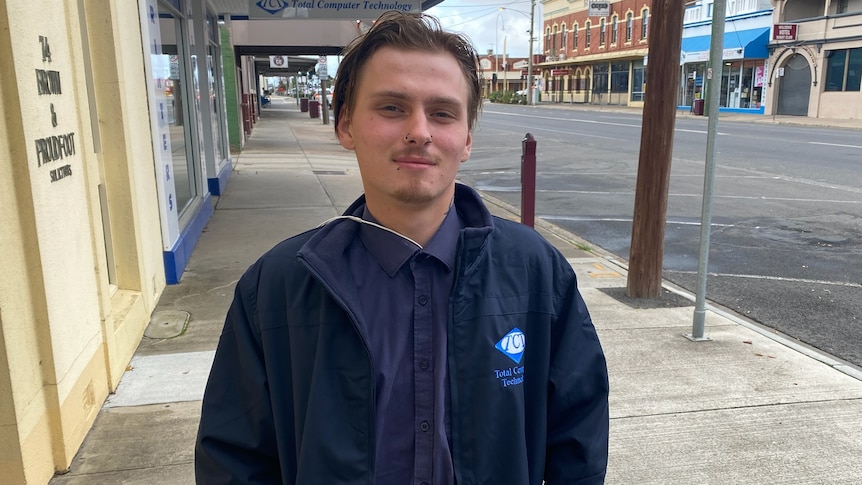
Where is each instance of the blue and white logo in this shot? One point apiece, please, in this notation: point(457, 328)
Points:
point(272, 6)
point(512, 345)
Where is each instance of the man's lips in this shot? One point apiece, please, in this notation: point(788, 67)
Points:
point(414, 162)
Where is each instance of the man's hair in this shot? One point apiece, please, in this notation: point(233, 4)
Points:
point(405, 31)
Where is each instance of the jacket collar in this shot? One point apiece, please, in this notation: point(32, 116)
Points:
point(326, 247)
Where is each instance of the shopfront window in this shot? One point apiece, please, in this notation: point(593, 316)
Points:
point(600, 83)
point(180, 107)
point(843, 70)
point(638, 81)
point(619, 83)
point(742, 84)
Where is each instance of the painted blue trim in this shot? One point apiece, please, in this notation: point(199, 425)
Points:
point(217, 184)
point(745, 111)
point(178, 257)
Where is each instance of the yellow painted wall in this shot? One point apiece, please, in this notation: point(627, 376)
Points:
point(66, 331)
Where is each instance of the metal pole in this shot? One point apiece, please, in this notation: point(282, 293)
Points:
point(716, 63)
point(528, 180)
point(530, 54)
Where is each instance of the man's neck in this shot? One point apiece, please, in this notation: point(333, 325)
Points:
point(418, 223)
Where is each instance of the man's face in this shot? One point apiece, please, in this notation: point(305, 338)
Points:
point(408, 127)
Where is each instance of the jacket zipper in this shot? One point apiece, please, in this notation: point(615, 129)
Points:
point(355, 321)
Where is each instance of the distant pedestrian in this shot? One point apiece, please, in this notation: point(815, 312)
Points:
point(416, 339)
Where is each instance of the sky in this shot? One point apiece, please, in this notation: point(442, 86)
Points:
point(486, 23)
point(490, 22)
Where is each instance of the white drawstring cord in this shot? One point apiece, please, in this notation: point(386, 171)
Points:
point(363, 221)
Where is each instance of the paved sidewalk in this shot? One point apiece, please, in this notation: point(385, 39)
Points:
point(749, 406)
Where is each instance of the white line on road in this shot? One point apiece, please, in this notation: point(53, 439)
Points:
point(557, 131)
point(612, 219)
point(834, 144)
point(774, 278)
point(577, 120)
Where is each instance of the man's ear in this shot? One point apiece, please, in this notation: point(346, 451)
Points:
point(467, 148)
point(345, 136)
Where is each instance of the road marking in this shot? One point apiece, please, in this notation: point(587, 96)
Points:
point(581, 121)
point(557, 131)
point(834, 144)
point(563, 119)
point(620, 219)
point(602, 272)
point(774, 278)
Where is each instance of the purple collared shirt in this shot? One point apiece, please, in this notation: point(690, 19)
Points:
point(404, 292)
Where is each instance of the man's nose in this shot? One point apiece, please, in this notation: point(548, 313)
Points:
point(419, 133)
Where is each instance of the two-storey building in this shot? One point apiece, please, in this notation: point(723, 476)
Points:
point(595, 59)
point(816, 59)
point(744, 54)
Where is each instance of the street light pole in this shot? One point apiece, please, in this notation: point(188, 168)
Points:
point(530, 54)
point(497, 45)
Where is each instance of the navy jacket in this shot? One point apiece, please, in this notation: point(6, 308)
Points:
point(290, 395)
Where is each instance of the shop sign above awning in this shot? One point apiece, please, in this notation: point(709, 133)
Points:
point(743, 44)
point(328, 9)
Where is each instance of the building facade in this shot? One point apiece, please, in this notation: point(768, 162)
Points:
point(595, 59)
point(118, 122)
point(82, 246)
point(503, 73)
point(816, 59)
point(745, 56)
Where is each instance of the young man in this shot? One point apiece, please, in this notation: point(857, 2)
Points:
point(416, 339)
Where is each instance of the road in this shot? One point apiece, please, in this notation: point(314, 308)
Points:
point(786, 239)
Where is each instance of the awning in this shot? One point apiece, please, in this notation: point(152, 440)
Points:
point(743, 44)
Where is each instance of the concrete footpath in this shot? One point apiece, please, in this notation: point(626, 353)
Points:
point(747, 407)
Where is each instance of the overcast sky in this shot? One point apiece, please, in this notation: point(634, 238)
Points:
point(486, 24)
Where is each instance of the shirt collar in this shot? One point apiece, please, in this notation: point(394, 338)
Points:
point(392, 251)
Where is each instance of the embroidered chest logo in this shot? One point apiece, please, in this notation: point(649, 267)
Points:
point(512, 346)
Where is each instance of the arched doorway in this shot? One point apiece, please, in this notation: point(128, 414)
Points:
point(795, 89)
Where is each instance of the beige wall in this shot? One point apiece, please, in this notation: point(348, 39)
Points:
point(68, 325)
point(814, 39)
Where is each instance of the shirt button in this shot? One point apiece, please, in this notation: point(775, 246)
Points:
point(424, 426)
point(424, 365)
point(423, 300)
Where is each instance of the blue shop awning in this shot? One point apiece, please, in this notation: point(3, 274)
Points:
point(743, 44)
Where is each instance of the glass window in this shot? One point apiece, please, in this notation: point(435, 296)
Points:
point(180, 108)
point(614, 29)
point(620, 77)
point(554, 42)
point(644, 23)
point(843, 70)
point(575, 37)
point(587, 35)
point(629, 22)
point(854, 70)
point(563, 42)
point(638, 81)
point(600, 79)
point(603, 30)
